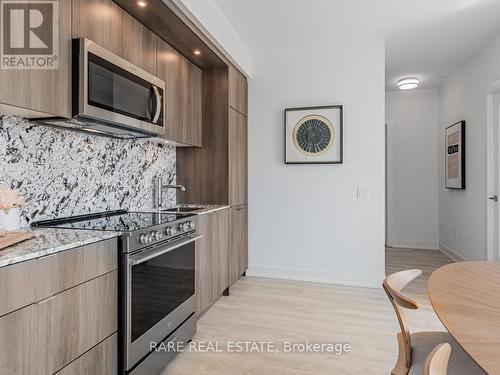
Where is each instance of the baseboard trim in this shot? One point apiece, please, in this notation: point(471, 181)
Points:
point(406, 244)
point(314, 276)
point(451, 253)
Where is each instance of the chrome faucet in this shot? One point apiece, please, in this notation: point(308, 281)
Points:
point(158, 189)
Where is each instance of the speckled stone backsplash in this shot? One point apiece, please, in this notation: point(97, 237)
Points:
point(63, 173)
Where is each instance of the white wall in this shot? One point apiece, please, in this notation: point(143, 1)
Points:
point(412, 168)
point(463, 97)
point(305, 222)
point(210, 16)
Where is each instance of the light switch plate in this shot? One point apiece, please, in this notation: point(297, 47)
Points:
point(363, 192)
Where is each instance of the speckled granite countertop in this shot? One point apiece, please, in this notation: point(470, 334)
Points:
point(203, 209)
point(50, 241)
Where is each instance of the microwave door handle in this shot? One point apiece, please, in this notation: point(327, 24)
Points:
point(158, 104)
point(151, 104)
point(141, 258)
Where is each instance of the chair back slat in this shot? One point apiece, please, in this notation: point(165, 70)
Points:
point(393, 284)
point(437, 361)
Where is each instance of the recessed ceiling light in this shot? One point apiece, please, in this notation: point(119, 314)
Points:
point(197, 52)
point(408, 83)
point(142, 3)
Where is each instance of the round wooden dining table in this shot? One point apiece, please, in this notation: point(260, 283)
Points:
point(466, 298)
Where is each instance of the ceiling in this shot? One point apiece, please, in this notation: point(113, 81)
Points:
point(428, 39)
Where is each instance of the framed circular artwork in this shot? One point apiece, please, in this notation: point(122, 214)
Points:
point(313, 135)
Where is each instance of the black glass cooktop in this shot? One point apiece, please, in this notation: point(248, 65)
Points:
point(116, 221)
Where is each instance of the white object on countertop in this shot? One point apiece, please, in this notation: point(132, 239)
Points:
point(11, 219)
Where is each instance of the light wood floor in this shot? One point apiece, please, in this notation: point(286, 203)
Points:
point(277, 310)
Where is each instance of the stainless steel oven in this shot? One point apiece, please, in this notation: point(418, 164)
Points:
point(159, 301)
point(156, 300)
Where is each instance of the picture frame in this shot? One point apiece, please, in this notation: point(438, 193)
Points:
point(455, 156)
point(314, 135)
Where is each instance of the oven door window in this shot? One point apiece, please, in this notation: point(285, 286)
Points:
point(159, 286)
point(117, 90)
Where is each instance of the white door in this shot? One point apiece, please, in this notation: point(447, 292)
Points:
point(494, 181)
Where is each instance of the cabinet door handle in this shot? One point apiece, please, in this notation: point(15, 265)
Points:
point(494, 198)
point(46, 300)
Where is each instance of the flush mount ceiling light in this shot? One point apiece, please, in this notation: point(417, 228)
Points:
point(408, 83)
point(142, 3)
point(197, 52)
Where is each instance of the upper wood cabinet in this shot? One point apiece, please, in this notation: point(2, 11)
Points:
point(184, 82)
point(237, 143)
point(99, 21)
point(108, 25)
point(238, 91)
point(39, 92)
point(216, 173)
point(204, 171)
point(138, 44)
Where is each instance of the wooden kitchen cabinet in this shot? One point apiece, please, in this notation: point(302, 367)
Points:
point(204, 268)
point(238, 243)
point(238, 158)
point(58, 307)
point(100, 21)
point(100, 360)
point(73, 321)
point(45, 336)
point(212, 258)
point(108, 25)
point(220, 252)
point(216, 173)
point(183, 86)
point(238, 91)
point(138, 44)
point(23, 283)
point(41, 92)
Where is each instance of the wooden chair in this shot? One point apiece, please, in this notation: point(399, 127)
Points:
point(415, 347)
point(437, 361)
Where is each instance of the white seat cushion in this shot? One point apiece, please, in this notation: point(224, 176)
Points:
point(422, 344)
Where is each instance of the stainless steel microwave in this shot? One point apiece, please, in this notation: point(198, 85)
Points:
point(113, 97)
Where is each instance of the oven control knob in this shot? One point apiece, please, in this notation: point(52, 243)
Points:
point(143, 239)
point(191, 225)
point(168, 231)
point(157, 235)
point(185, 226)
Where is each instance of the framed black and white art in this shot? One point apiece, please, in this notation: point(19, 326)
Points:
point(455, 156)
point(313, 135)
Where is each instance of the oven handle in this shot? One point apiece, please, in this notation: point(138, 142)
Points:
point(158, 104)
point(141, 258)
